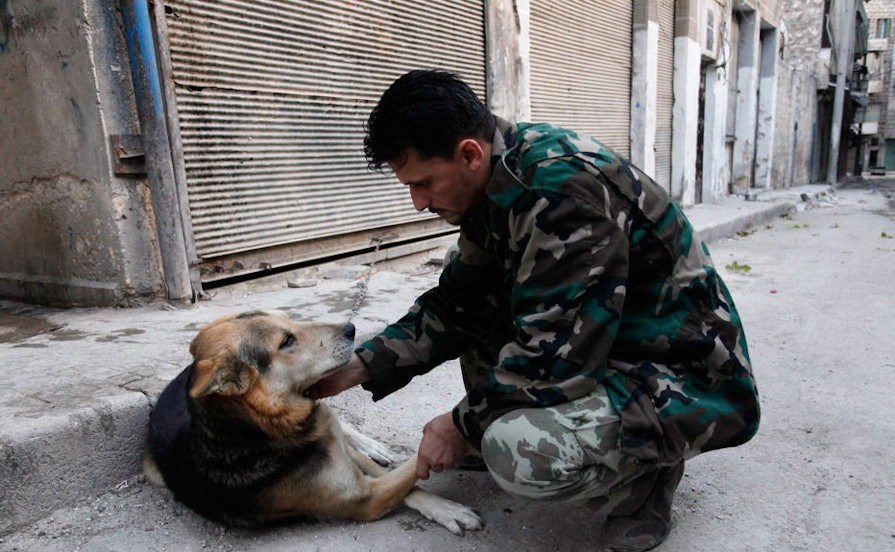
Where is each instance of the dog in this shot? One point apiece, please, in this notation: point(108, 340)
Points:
point(233, 437)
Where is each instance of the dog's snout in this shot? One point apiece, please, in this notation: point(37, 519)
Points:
point(348, 330)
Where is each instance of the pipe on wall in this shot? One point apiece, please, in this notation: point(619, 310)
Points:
point(159, 167)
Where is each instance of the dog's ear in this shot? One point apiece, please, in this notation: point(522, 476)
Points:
point(222, 375)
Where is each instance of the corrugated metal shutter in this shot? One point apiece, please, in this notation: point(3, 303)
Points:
point(272, 96)
point(664, 93)
point(581, 67)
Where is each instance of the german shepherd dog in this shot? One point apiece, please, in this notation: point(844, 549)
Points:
point(234, 438)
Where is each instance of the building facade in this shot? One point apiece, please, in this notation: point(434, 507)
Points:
point(169, 147)
point(877, 118)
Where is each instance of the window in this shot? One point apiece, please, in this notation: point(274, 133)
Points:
point(883, 28)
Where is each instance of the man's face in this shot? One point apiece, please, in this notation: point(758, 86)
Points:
point(446, 187)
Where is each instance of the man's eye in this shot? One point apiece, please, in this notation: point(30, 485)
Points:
point(288, 341)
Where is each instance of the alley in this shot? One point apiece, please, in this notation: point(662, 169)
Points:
point(814, 289)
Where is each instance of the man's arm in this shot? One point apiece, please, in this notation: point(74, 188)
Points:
point(438, 327)
point(355, 372)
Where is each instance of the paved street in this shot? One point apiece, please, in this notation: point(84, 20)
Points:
point(815, 291)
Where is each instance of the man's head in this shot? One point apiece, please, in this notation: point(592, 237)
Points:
point(434, 132)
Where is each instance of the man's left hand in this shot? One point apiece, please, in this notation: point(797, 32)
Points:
point(443, 446)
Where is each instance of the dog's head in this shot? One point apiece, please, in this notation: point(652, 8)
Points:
point(266, 353)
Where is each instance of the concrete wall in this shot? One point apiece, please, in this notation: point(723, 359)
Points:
point(715, 165)
point(645, 38)
point(767, 108)
point(746, 107)
point(509, 64)
point(687, 55)
point(73, 233)
point(798, 79)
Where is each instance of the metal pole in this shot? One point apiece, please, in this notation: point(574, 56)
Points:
point(159, 169)
point(843, 67)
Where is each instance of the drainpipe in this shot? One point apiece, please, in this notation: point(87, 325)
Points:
point(843, 66)
point(159, 167)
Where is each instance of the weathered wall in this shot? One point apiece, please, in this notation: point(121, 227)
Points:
point(687, 57)
point(881, 9)
point(875, 10)
point(509, 65)
point(73, 233)
point(798, 78)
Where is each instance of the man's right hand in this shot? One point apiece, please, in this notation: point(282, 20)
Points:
point(355, 372)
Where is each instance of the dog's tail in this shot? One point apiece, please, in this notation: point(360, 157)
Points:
point(151, 470)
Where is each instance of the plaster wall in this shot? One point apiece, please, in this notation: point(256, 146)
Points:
point(685, 113)
point(687, 56)
point(73, 233)
point(643, 86)
point(748, 51)
point(771, 10)
point(509, 63)
point(767, 107)
point(715, 165)
point(798, 80)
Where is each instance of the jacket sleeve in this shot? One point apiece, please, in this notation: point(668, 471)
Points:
point(437, 327)
point(570, 265)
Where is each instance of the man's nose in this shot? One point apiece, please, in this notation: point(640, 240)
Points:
point(419, 197)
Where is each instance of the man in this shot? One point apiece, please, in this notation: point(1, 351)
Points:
point(599, 347)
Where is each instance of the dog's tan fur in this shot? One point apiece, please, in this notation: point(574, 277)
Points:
point(349, 485)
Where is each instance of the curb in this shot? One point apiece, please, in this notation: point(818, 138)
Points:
point(718, 231)
point(56, 461)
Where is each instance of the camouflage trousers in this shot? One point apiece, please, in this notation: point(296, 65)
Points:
point(567, 452)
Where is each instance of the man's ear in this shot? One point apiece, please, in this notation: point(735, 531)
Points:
point(224, 375)
point(472, 153)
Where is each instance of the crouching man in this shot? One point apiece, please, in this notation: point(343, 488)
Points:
point(599, 347)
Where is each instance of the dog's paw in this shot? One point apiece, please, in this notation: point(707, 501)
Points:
point(453, 516)
point(369, 446)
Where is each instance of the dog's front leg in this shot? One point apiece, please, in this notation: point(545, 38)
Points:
point(453, 516)
point(387, 490)
point(367, 445)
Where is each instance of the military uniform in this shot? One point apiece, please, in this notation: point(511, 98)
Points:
point(578, 279)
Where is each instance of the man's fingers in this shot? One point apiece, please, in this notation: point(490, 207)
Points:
point(422, 470)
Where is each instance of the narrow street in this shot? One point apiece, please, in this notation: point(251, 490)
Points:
point(815, 291)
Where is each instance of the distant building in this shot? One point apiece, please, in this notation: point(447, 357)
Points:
point(877, 118)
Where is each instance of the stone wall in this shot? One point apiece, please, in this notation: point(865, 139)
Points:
point(73, 233)
point(798, 77)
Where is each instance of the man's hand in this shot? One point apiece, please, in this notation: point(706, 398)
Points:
point(353, 373)
point(443, 446)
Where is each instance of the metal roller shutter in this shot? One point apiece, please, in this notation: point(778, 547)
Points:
point(271, 98)
point(664, 93)
point(581, 67)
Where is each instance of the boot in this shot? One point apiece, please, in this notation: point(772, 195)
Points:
point(648, 526)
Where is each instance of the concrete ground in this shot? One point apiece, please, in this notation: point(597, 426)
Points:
point(814, 289)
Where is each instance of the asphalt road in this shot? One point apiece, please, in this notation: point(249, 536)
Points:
point(815, 291)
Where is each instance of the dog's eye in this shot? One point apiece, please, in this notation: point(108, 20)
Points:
point(288, 341)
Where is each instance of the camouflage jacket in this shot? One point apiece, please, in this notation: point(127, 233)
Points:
point(584, 272)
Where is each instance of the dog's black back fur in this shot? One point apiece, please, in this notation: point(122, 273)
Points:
point(216, 461)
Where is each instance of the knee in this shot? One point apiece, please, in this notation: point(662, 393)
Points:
point(531, 459)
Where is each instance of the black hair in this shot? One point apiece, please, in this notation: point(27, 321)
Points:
point(427, 110)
